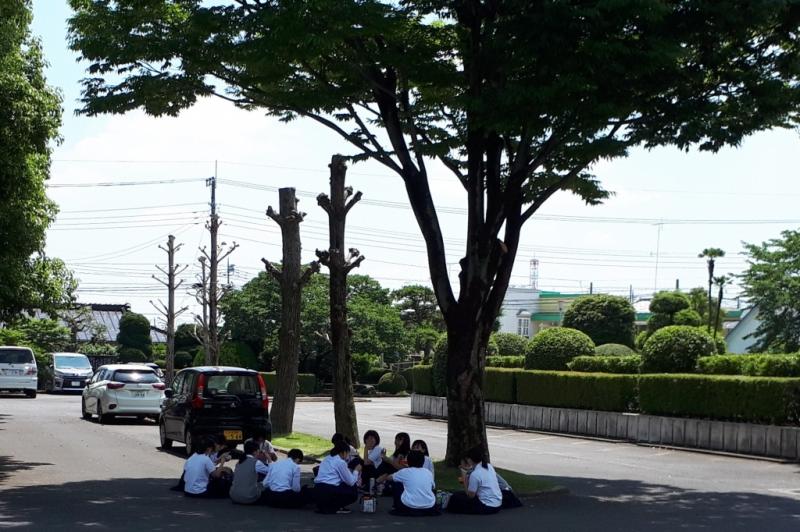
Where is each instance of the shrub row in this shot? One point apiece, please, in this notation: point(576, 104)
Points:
point(306, 382)
point(628, 364)
point(505, 362)
point(738, 398)
point(752, 365)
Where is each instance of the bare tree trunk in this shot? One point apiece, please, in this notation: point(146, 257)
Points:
point(337, 207)
point(291, 278)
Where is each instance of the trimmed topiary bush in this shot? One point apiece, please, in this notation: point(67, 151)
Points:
point(754, 399)
point(675, 349)
point(392, 383)
point(510, 344)
point(552, 348)
point(373, 375)
point(719, 341)
point(161, 363)
point(131, 354)
point(134, 331)
point(422, 380)
point(499, 385)
point(688, 317)
point(641, 338)
point(613, 350)
point(183, 359)
point(505, 362)
point(603, 318)
point(626, 365)
point(593, 391)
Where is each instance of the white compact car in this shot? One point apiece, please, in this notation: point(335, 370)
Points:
point(71, 371)
point(18, 371)
point(122, 390)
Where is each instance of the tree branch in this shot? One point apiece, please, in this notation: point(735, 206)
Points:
point(324, 257)
point(275, 217)
point(308, 272)
point(353, 264)
point(355, 199)
point(272, 270)
point(325, 202)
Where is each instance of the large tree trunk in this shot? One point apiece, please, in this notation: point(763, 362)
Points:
point(291, 278)
point(337, 206)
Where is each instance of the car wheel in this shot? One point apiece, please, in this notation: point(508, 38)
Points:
point(166, 443)
point(189, 443)
point(84, 413)
point(102, 418)
point(30, 394)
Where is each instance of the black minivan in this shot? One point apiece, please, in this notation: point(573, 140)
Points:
point(214, 401)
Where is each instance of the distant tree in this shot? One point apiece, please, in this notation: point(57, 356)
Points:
point(698, 299)
point(519, 100)
point(186, 338)
point(664, 307)
point(134, 333)
point(424, 339)
point(605, 319)
point(418, 306)
point(771, 283)
point(710, 254)
point(30, 115)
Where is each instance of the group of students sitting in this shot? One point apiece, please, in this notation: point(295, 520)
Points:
point(342, 476)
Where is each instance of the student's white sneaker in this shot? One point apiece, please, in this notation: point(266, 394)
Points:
point(344, 511)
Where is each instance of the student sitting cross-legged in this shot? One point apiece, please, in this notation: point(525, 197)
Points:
point(246, 489)
point(282, 485)
point(481, 493)
point(373, 455)
point(335, 486)
point(201, 477)
point(420, 445)
point(413, 488)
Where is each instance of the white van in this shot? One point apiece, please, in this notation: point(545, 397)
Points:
point(70, 371)
point(18, 371)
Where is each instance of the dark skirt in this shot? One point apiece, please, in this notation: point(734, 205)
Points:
point(461, 504)
point(286, 499)
point(331, 498)
point(510, 500)
point(402, 509)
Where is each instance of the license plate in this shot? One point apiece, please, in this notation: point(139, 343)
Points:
point(139, 394)
point(76, 383)
point(233, 435)
point(12, 371)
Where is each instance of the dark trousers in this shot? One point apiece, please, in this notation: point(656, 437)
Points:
point(218, 488)
point(368, 472)
point(287, 499)
point(402, 509)
point(510, 500)
point(461, 504)
point(331, 498)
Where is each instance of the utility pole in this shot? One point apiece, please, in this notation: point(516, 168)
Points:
point(337, 206)
point(215, 256)
point(168, 310)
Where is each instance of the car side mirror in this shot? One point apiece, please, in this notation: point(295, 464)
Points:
point(169, 393)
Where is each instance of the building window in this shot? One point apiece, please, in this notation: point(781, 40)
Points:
point(523, 325)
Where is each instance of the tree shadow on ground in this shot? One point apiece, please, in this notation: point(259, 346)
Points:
point(147, 504)
point(9, 466)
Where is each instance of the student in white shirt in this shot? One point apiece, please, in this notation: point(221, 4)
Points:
point(420, 445)
point(282, 486)
point(413, 488)
point(373, 455)
point(481, 494)
point(352, 458)
point(246, 489)
point(335, 486)
point(201, 477)
point(264, 445)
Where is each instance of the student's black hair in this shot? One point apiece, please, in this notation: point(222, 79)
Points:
point(374, 434)
point(295, 454)
point(422, 444)
point(416, 459)
point(204, 444)
point(405, 445)
point(260, 432)
point(337, 437)
point(339, 448)
point(478, 456)
point(249, 448)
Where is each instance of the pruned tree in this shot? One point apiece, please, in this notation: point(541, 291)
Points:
point(711, 255)
point(337, 205)
point(517, 99)
point(169, 311)
point(291, 277)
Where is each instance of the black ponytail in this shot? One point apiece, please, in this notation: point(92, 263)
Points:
point(478, 456)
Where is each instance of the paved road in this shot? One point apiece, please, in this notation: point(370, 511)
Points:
point(58, 472)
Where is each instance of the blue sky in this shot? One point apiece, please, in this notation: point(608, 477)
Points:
point(109, 235)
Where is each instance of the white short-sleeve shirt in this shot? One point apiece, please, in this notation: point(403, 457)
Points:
point(284, 475)
point(418, 487)
point(195, 473)
point(375, 455)
point(429, 466)
point(483, 482)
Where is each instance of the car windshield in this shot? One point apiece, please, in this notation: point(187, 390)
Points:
point(16, 356)
point(135, 376)
point(72, 361)
point(231, 385)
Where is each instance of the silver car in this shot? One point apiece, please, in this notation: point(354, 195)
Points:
point(18, 370)
point(123, 390)
point(71, 371)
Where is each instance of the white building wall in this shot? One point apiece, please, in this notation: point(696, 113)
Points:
point(737, 343)
point(518, 300)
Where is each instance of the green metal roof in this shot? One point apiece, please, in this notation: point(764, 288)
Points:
point(558, 295)
point(546, 316)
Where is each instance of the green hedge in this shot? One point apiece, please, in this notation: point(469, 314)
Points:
point(505, 362)
point(499, 385)
point(754, 399)
point(750, 365)
point(406, 373)
point(594, 391)
point(306, 382)
point(422, 380)
point(613, 350)
point(392, 383)
point(552, 348)
point(606, 364)
point(373, 376)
